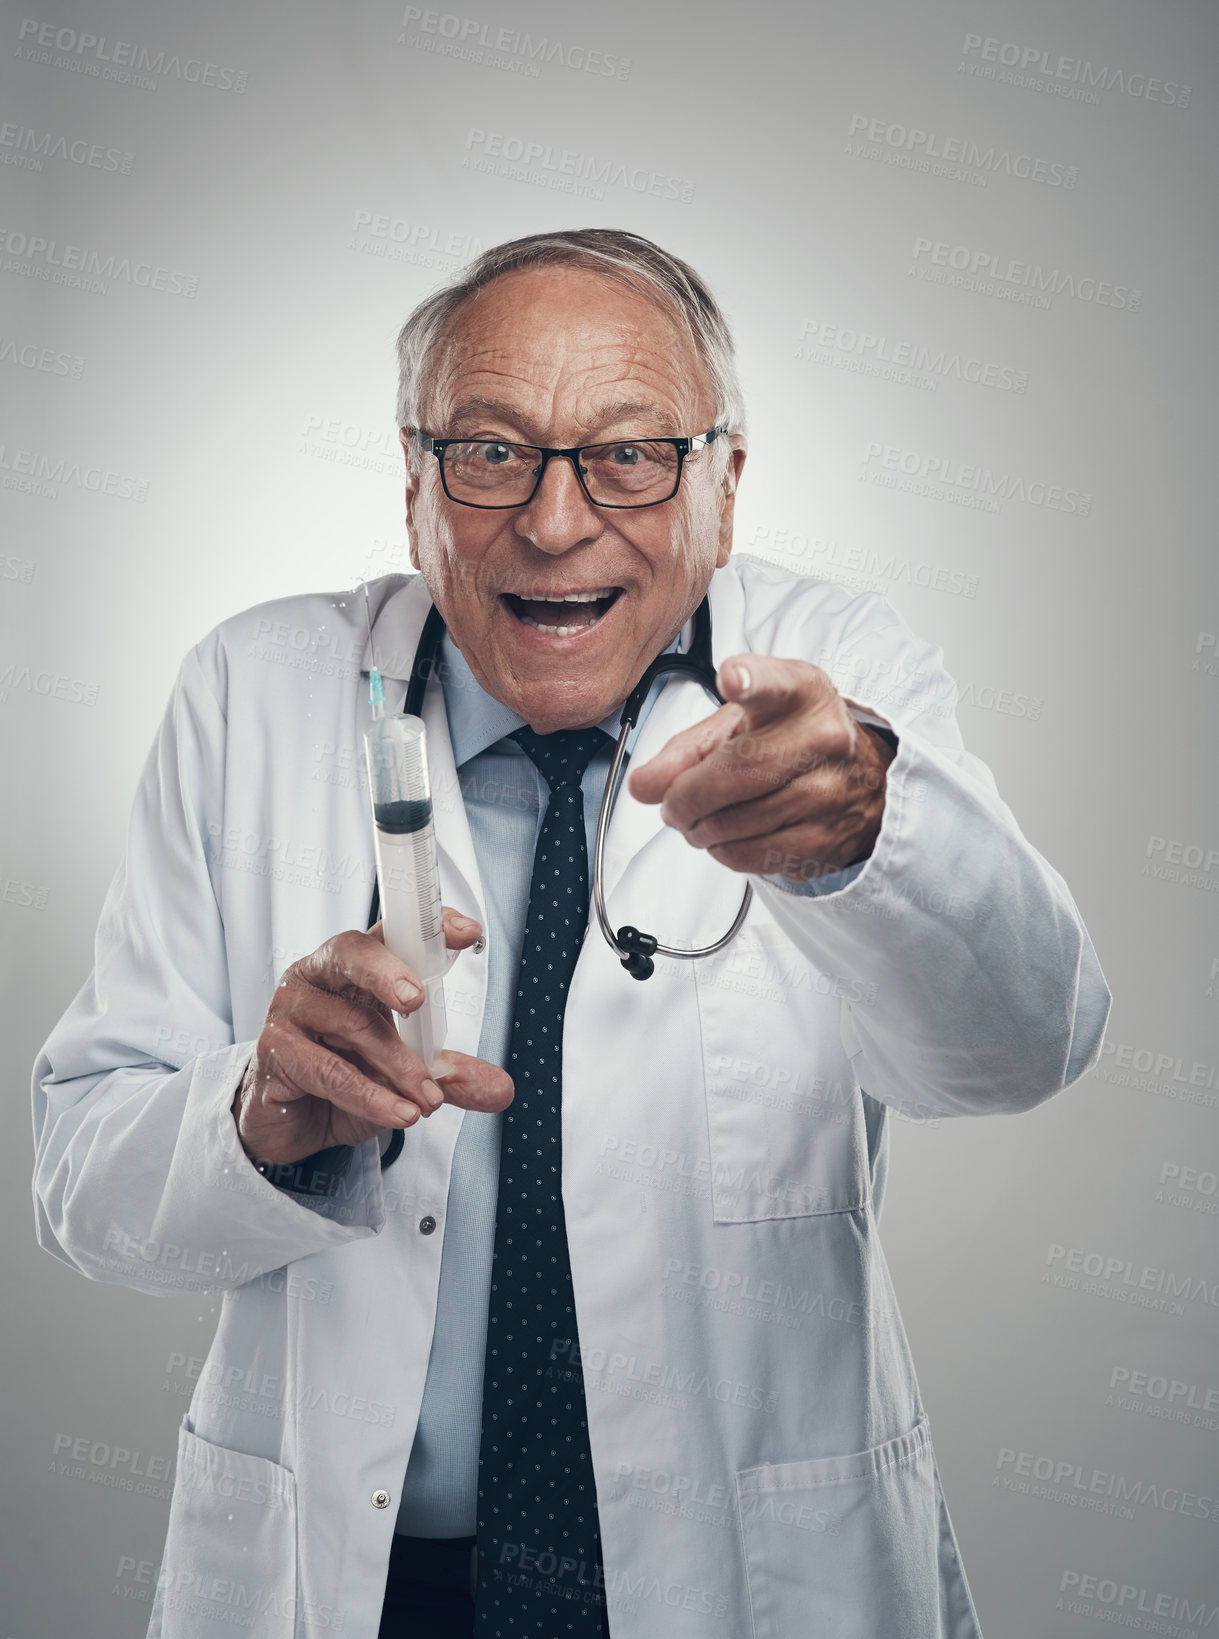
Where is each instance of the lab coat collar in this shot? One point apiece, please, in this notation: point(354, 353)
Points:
point(477, 719)
point(398, 607)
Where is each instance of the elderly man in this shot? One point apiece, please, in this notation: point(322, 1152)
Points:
point(585, 1328)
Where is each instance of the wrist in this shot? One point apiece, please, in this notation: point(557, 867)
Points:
point(882, 744)
point(320, 1174)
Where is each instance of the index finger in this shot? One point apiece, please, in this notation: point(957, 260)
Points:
point(460, 931)
point(650, 781)
point(767, 686)
point(360, 961)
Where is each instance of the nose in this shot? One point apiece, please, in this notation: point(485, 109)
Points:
point(560, 515)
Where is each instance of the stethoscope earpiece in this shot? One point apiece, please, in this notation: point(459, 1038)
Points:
point(639, 948)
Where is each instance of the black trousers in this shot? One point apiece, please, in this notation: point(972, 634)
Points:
point(429, 1593)
point(430, 1590)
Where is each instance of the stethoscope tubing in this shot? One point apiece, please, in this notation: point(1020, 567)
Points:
point(635, 950)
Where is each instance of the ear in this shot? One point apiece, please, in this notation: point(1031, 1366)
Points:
point(728, 483)
point(412, 495)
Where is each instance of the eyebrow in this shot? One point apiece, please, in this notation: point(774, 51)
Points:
point(472, 409)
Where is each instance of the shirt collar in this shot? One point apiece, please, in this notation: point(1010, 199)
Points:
point(477, 720)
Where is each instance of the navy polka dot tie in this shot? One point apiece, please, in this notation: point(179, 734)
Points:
point(538, 1543)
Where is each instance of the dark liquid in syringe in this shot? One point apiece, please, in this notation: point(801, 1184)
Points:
point(401, 818)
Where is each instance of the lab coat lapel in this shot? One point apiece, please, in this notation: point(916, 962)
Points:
point(681, 703)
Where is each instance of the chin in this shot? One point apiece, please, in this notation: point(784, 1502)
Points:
point(546, 715)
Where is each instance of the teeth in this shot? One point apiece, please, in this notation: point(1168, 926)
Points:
point(559, 631)
point(593, 616)
point(568, 597)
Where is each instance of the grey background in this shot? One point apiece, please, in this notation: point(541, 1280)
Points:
point(307, 173)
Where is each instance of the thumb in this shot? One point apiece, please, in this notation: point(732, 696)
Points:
point(735, 678)
point(766, 686)
point(475, 1084)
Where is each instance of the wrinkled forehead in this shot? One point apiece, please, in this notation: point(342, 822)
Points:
point(569, 344)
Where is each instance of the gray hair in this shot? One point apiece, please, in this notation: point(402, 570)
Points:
point(625, 257)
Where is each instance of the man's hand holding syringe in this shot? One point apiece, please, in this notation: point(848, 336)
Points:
point(330, 1067)
point(354, 1037)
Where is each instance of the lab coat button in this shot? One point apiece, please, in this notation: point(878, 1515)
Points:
point(380, 1499)
point(427, 1225)
point(479, 945)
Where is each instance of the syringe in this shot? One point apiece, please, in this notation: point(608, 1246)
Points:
point(407, 873)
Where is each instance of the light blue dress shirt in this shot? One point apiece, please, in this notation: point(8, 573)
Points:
point(505, 798)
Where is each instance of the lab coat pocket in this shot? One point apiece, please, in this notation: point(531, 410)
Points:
point(845, 1545)
point(230, 1553)
point(785, 1122)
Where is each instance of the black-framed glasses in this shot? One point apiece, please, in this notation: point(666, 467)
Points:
point(496, 473)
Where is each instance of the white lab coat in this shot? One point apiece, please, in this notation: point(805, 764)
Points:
point(762, 1458)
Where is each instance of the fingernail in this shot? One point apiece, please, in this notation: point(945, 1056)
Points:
point(743, 679)
point(406, 1111)
point(464, 922)
point(406, 992)
point(443, 1065)
point(432, 1093)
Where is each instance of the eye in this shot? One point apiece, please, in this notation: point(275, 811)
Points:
point(495, 455)
point(626, 455)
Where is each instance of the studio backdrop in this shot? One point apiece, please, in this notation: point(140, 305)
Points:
point(969, 254)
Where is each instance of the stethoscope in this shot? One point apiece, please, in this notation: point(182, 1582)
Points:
point(635, 950)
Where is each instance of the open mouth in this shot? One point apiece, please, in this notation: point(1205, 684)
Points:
point(565, 614)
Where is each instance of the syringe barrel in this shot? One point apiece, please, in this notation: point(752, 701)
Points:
point(408, 876)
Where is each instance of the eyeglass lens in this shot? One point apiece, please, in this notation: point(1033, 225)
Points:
point(490, 473)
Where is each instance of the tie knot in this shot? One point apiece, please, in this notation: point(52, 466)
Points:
point(561, 757)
